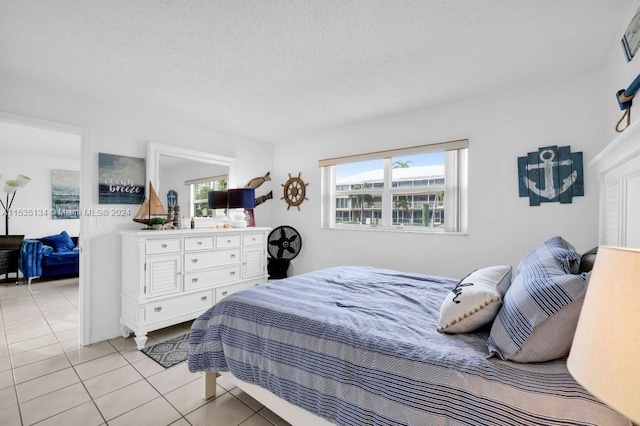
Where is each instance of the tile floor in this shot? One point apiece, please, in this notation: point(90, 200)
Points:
point(47, 379)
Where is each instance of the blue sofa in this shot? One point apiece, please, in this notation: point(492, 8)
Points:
point(52, 256)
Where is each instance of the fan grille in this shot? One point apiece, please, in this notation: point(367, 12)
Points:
point(284, 242)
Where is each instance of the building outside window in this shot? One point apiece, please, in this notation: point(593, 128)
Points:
point(199, 194)
point(419, 188)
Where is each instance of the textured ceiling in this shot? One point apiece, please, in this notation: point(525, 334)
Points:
point(273, 69)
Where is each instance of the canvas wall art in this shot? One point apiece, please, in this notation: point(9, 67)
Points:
point(550, 174)
point(122, 179)
point(65, 194)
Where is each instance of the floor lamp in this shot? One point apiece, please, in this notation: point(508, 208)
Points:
point(604, 354)
point(11, 187)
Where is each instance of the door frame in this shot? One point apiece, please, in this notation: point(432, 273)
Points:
point(84, 289)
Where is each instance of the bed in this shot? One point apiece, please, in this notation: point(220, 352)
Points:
point(359, 345)
point(325, 348)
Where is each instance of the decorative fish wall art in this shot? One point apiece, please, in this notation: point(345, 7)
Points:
point(551, 174)
point(261, 199)
point(255, 183)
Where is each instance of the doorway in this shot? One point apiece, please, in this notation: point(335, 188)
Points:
point(41, 146)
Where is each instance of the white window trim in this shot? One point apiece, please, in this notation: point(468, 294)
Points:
point(389, 153)
point(456, 188)
point(205, 179)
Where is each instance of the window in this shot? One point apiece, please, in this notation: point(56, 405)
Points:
point(422, 188)
point(198, 191)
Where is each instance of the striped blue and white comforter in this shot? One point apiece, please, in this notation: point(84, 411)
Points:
point(359, 346)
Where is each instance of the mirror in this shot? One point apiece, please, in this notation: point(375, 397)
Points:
point(170, 167)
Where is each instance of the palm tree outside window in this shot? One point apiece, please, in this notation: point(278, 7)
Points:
point(358, 201)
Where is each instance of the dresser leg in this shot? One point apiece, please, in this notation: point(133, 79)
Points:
point(125, 331)
point(140, 339)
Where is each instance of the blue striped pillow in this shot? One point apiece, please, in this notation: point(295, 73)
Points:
point(542, 287)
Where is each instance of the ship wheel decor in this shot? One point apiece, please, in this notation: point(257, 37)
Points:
point(295, 191)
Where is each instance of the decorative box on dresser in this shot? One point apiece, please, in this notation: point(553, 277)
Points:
point(173, 276)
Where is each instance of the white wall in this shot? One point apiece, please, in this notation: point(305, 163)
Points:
point(581, 112)
point(36, 196)
point(122, 128)
point(502, 226)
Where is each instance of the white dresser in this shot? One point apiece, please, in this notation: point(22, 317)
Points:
point(173, 276)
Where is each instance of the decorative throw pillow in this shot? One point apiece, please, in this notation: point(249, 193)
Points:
point(475, 301)
point(588, 259)
point(59, 242)
point(540, 311)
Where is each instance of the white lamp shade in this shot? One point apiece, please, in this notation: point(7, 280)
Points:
point(23, 180)
point(10, 186)
point(605, 355)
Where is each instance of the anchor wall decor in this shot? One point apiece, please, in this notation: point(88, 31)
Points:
point(551, 174)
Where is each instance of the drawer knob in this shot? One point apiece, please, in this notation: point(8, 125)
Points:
point(203, 298)
point(194, 280)
point(158, 309)
point(229, 241)
point(224, 293)
point(194, 260)
point(199, 243)
point(233, 256)
point(163, 245)
point(233, 273)
point(253, 239)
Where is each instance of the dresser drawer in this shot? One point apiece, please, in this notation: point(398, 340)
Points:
point(177, 306)
point(198, 243)
point(225, 291)
point(209, 277)
point(210, 259)
point(226, 241)
point(165, 245)
point(252, 239)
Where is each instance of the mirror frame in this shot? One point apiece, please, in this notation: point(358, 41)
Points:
point(154, 150)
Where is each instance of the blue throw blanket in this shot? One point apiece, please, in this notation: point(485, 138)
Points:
point(359, 345)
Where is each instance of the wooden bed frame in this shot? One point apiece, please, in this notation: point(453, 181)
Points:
point(285, 410)
point(618, 169)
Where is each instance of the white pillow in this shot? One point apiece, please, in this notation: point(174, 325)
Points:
point(475, 301)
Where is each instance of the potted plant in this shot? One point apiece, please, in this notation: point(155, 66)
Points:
point(156, 222)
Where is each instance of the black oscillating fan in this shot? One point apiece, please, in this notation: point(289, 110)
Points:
point(283, 244)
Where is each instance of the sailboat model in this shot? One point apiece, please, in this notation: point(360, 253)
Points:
point(151, 207)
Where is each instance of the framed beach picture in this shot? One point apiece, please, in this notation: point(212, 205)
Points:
point(121, 179)
point(65, 194)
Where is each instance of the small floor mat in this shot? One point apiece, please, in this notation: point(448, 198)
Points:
point(169, 352)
